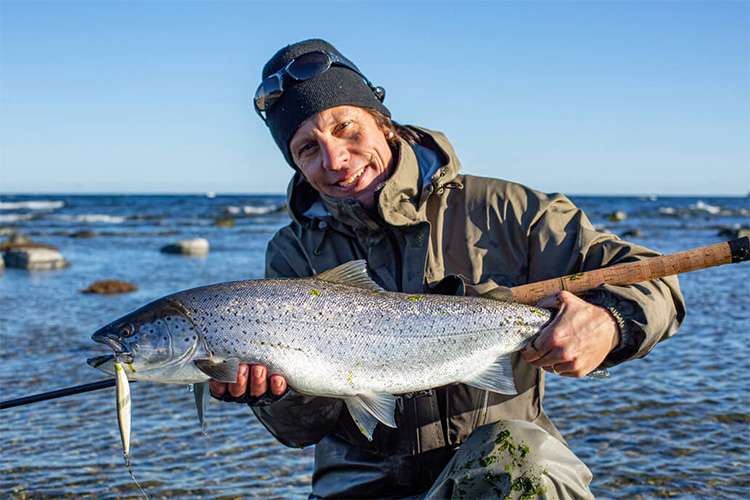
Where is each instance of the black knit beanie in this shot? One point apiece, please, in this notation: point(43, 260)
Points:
point(300, 101)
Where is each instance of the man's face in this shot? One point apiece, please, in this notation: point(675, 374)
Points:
point(343, 153)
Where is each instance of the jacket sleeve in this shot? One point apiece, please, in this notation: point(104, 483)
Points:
point(563, 241)
point(296, 420)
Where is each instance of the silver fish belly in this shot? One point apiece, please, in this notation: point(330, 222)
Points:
point(337, 335)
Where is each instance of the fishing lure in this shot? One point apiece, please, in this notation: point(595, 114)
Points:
point(122, 391)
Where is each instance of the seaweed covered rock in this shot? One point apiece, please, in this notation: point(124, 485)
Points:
point(109, 287)
point(617, 216)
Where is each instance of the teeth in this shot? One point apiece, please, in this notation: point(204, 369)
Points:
point(348, 182)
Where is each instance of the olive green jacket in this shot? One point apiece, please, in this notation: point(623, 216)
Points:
point(433, 223)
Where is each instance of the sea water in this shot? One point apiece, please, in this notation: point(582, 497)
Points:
point(674, 424)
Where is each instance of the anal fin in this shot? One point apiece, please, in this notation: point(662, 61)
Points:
point(498, 377)
point(369, 409)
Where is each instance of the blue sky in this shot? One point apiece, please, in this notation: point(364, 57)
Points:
point(590, 97)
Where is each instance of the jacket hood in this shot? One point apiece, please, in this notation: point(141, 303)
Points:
point(421, 169)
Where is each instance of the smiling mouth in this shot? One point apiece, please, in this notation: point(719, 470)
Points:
point(351, 180)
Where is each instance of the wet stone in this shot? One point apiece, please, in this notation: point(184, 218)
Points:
point(224, 222)
point(16, 240)
point(633, 233)
point(194, 247)
point(617, 216)
point(35, 259)
point(83, 234)
point(731, 233)
point(108, 287)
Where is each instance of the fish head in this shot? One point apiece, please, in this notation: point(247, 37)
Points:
point(156, 336)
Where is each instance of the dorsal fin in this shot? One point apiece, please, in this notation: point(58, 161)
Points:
point(501, 293)
point(353, 273)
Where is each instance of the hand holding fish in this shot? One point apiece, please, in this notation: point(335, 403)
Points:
point(576, 341)
point(251, 379)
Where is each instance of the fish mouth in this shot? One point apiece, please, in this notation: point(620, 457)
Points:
point(109, 342)
point(120, 353)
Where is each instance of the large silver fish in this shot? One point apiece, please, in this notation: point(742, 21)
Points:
point(337, 334)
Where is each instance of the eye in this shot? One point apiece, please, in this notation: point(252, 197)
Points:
point(305, 148)
point(341, 126)
point(127, 330)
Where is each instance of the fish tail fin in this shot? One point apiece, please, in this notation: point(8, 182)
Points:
point(369, 409)
point(498, 377)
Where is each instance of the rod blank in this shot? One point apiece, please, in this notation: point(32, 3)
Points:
point(69, 391)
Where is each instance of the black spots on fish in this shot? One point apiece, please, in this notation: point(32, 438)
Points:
point(275, 344)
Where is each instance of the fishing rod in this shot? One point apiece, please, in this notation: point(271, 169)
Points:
point(60, 393)
point(729, 252)
point(629, 273)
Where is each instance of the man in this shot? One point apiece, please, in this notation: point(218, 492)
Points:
point(367, 188)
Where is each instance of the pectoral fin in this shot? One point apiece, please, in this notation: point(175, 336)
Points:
point(367, 409)
point(498, 377)
point(222, 370)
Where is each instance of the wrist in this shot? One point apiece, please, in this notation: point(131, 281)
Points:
point(619, 324)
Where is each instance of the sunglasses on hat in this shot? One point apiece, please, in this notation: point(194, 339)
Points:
point(304, 67)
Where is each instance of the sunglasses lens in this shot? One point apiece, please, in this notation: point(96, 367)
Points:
point(268, 92)
point(309, 65)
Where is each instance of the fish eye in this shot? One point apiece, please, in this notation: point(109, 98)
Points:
point(127, 330)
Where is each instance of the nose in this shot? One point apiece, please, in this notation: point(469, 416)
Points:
point(334, 154)
point(107, 337)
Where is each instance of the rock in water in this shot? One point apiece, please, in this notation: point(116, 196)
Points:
point(618, 216)
point(632, 233)
point(732, 233)
point(194, 247)
point(108, 287)
point(35, 259)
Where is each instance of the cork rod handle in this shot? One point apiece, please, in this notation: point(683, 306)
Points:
point(733, 251)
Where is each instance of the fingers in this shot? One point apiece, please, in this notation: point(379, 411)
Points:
point(250, 378)
point(278, 385)
point(260, 382)
point(555, 301)
point(218, 389)
point(532, 353)
point(544, 351)
point(238, 388)
point(576, 341)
